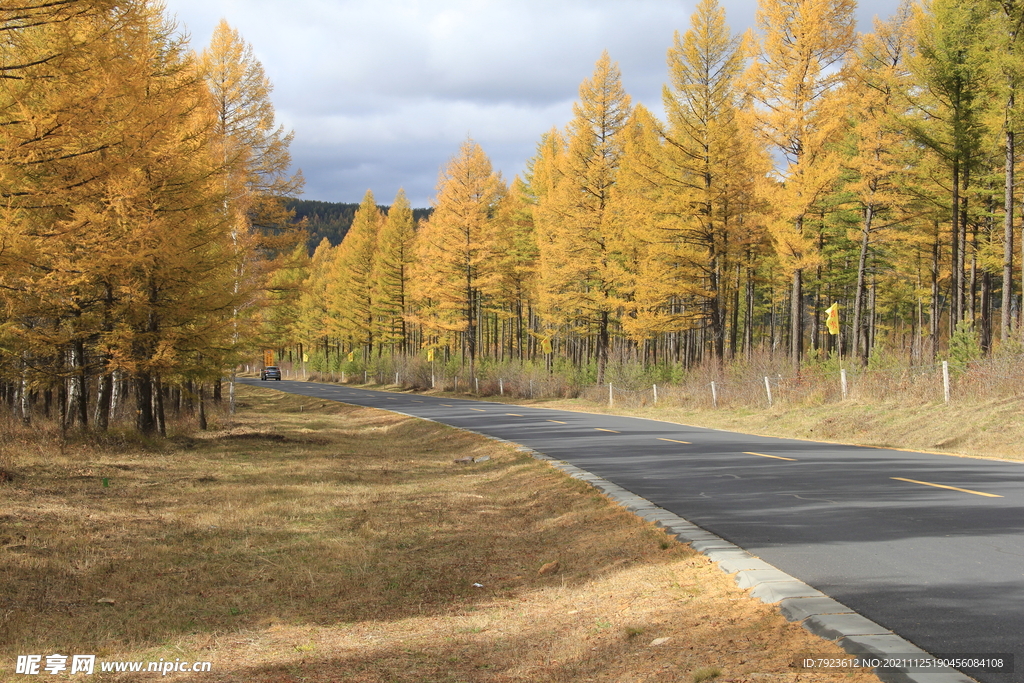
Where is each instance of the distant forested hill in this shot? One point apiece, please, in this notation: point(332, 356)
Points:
point(332, 219)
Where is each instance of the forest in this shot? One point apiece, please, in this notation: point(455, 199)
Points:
point(801, 168)
point(330, 220)
point(142, 189)
point(802, 174)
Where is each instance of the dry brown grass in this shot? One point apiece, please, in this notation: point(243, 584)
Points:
point(983, 428)
point(320, 542)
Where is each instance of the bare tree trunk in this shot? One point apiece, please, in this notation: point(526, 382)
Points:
point(25, 406)
point(104, 395)
point(972, 288)
point(956, 300)
point(78, 394)
point(933, 322)
point(748, 316)
point(158, 407)
point(105, 385)
point(796, 319)
point(144, 420)
point(62, 410)
point(859, 346)
point(986, 312)
point(1004, 332)
point(872, 319)
point(202, 407)
point(735, 313)
point(716, 302)
point(602, 347)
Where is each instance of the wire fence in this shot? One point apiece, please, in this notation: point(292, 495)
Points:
point(941, 382)
point(758, 385)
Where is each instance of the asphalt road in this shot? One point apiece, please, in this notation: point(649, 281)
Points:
point(929, 546)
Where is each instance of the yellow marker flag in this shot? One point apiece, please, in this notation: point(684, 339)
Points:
point(268, 357)
point(832, 318)
point(351, 356)
point(545, 345)
point(430, 355)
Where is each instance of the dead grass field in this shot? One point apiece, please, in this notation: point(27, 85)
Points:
point(320, 542)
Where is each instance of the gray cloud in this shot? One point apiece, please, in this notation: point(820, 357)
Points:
point(380, 94)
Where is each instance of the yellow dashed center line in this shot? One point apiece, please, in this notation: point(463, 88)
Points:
point(763, 455)
point(558, 422)
point(514, 414)
point(951, 488)
point(672, 440)
point(479, 410)
point(607, 430)
point(447, 406)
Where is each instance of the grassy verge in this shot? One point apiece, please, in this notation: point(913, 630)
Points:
point(972, 427)
point(985, 429)
point(314, 541)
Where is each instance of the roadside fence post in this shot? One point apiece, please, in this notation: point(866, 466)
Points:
point(433, 382)
point(611, 396)
point(477, 380)
point(945, 379)
point(501, 386)
point(531, 388)
point(714, 395)
point(655, 394)
point(842, 380)
point(768, 389)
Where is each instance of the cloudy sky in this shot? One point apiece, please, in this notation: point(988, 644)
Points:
point(381, 93)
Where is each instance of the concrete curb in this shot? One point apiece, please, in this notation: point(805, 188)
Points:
point(816, 612)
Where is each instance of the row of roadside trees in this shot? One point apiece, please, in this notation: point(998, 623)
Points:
point(141, 218)
point(799, 165)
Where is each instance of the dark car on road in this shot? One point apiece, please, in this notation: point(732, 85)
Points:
point(271, 372)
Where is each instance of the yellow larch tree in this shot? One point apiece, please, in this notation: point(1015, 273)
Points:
point(658, 289)
point(350, 290)
point(951, 66)
point(285, 289)
point(456, 248)
point(1008, 59)
point(115, 229)
point(255, 148)
point(516, 266)
point(392, 272)
point(797, 67)
point(172, 285)
point(312, 325)
point(53, 94)
point(701, 179)
point(581, 271)
point(254, 151)
point(879, 150)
